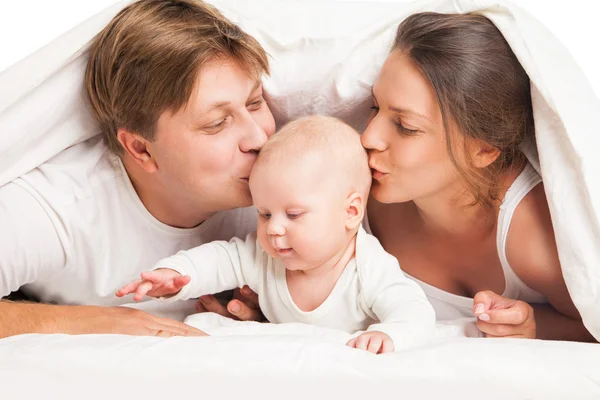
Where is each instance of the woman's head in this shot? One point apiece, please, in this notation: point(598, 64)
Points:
point(451, 107)
point(176, 88)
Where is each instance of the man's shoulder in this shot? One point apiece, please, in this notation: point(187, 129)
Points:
point(75, 174)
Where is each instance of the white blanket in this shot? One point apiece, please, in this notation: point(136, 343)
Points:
point(325, 55)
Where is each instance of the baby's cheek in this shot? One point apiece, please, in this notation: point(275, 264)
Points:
point(263, 240)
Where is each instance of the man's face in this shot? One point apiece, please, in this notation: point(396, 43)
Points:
point(205, 151)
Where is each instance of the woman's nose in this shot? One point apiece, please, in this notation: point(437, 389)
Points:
point(373, 138)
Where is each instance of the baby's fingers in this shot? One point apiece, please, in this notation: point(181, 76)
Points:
point(387, 346)
point(156, 276)
point(180, 281)
point(351, 343)
point(375, 344)
point(129, 288)
point(142, 289)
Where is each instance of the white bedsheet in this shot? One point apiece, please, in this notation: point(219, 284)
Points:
point(292, 361)
point(293, 366)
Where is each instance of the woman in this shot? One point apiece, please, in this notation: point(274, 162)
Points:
point(454, 198)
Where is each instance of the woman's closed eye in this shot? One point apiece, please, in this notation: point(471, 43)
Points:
point(404, 130)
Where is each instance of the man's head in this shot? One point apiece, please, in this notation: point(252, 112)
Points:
point(176, 89)
point(310, 185)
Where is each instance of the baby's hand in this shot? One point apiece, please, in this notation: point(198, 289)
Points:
point(375, 342)
point(157, 283)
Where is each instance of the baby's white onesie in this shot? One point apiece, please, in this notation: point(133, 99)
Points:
point(371, 294)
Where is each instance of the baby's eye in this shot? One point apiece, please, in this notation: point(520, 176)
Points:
point(264, 215)
point(293, 215)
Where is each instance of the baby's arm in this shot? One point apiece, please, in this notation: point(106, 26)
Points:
point(212, 267)
point(405, 314)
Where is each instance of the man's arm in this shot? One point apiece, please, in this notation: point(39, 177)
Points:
point(30, 251)
point(20, 317)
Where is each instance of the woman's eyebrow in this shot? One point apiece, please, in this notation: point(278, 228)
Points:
point(399, 110)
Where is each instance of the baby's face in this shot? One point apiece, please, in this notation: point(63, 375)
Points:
point(301, 218)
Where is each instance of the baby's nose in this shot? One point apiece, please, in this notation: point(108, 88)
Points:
point(275, 228)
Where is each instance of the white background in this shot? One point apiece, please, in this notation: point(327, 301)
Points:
point(28, 25)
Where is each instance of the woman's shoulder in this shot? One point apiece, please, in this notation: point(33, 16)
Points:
point(531, 246)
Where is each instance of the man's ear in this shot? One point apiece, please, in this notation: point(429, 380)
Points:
point(483, 154)
point(138, 148)
point(355, 210)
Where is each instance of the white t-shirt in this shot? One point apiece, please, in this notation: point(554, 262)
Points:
point(73, 230)
point(371, 294)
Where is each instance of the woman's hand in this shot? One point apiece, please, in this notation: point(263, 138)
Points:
point(244, 306)
point(498, 316)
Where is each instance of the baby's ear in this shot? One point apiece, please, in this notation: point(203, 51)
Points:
point(355, 210)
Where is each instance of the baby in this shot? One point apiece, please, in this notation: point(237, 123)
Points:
point(310, 260)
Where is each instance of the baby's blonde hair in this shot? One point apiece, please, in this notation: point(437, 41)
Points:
point(337, 142)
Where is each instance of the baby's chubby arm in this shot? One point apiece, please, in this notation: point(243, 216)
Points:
point(405, 314)
point(210, 268)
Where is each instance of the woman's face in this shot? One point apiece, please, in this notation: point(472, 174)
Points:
point(405, 136)
point(206, 150)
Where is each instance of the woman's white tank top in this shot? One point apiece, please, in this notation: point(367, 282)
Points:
point(450, 306)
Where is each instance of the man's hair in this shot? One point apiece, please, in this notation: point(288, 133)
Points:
point(147, 59)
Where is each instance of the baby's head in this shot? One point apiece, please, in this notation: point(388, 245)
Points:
point(310, 184)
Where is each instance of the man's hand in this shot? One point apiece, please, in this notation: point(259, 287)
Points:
point(20, 318)
point(122, 320)
point(244, 306)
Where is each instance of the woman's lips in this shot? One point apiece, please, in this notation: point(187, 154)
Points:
point(377, 174)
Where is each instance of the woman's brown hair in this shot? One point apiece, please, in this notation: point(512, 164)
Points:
point(482, 90)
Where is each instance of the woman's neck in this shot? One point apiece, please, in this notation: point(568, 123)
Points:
point(164, 205)
point(452, 214)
